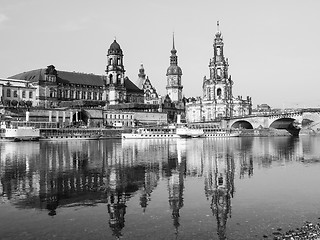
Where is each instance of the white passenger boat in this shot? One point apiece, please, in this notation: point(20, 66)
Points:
point(70, 134)
point(220, 133)
point(151, 133)
point(18, 133)
point(186, 132)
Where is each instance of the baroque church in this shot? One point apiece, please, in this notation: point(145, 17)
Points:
point(217, 101)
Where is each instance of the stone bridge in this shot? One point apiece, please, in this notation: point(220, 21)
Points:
point(303, 118)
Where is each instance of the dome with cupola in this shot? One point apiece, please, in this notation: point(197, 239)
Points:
point(174, 70)
point(115, 49)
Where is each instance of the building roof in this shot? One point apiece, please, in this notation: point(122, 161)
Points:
point(131, 87)
point(63, 77)
point(115, 49)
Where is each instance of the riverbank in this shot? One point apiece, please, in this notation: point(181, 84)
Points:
point(308, 231)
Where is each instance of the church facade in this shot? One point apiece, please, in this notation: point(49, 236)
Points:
point(217, 101)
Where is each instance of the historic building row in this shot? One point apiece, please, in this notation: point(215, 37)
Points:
point(113, 92)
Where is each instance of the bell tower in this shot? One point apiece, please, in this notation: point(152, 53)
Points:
point(116, 92)
point(218, 88)
point(219, 71)
point(174, 73)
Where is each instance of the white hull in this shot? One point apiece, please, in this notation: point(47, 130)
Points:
point(20, 134)
point(221, 134)
point(69, 137)
point(151, 133)
point(148, 135)
point(185, 132)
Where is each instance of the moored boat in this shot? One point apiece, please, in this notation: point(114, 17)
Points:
point(186, 132)
point(151, 133)
point(220, 133)
point(70, 134)
point(18, 133)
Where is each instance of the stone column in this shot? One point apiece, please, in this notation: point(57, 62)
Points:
point(63, 116)
point(71, 115)
point(50, 116)
point(57, 116)
point(27, 116)
point(77, 119)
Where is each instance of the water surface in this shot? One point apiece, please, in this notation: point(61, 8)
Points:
point(237, 188)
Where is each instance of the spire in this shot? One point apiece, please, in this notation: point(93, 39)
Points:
point(173, 41)
point(173, 51)
point(218, 25)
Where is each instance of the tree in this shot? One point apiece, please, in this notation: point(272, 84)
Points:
point(14, 102)
point(28, 103)
point(22, 103)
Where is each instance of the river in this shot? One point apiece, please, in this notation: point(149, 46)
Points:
point(236, 188)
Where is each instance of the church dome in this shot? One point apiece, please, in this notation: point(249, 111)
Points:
point(115, 48)
point(174, 70)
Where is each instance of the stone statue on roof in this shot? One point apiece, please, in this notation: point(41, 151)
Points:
point(51, 70)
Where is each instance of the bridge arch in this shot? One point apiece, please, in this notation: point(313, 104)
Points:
point(242, 124)
point(282, 123)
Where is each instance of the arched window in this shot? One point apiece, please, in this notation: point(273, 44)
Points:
point(219, 92)
point(218, 72)
point(110, 79)
point(110, 61)
point(218, 51)
point(118, 79)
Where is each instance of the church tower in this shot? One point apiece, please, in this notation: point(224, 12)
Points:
point(218, 88)
point(174, 73)
point(116, 92)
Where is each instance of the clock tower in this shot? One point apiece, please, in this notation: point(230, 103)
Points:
point(174, 73)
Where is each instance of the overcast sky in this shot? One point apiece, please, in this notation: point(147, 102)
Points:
point(273, 46)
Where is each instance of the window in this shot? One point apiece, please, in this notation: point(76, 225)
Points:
point(219, 92)
point(218, 51)
point(94, 96)
point(71, 93)
point(219, 72)
point(8, 93)
point(100, 96)
point(83, 95)
point(89, 95)
point(15, 93)
point(23, 94)
point(30, 94)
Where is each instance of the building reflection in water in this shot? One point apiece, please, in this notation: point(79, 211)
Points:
point(175, 174)
point(50, 176)
point(219, 170)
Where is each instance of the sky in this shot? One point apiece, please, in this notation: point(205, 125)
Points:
point(273, 46)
